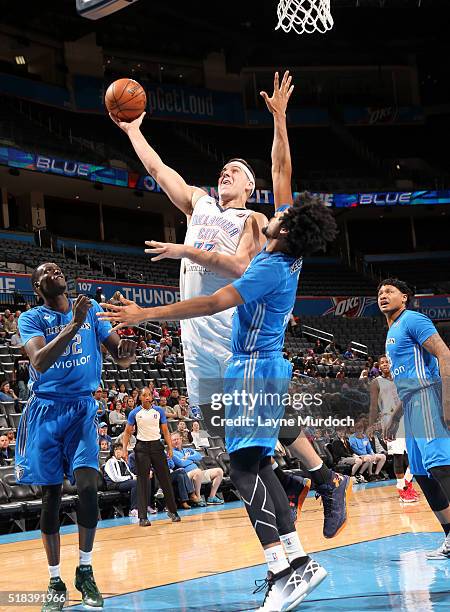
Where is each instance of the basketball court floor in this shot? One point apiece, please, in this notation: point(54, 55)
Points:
point(210, 560)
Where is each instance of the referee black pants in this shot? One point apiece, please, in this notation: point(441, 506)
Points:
point(147, 455)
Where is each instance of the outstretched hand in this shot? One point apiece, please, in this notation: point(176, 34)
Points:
point(278, 102)
point(122, 316)
point(128, 126)
point(165, 250)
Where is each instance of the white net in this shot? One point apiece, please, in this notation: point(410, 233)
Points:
point(304, 16)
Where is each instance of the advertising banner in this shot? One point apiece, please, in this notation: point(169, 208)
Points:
point(143, 295)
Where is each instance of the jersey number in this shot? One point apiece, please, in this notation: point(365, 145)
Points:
point(75, 347)
point(204, 246)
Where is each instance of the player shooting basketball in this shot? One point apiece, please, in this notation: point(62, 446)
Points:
point(210, 259)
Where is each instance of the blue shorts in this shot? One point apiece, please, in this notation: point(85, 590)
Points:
point(258, 383)
point(427, 437)
point(54, 438)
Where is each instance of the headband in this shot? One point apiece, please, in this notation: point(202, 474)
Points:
point(247, 173)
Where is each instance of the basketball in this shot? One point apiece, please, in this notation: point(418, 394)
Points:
point(125, 99)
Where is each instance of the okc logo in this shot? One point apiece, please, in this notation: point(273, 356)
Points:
point(349, 307)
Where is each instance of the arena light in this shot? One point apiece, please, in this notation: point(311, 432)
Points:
point(96, 9)
point(20, 60)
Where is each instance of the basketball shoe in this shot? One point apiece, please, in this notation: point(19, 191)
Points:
point(56, 596)
point(442, 553)
point(412, 489)
point(406, 496)
point(296, 490)
point(85, 583)
point(335, 495)
point(287, 589)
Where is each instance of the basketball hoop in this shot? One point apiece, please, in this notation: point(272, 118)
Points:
point(304, 16)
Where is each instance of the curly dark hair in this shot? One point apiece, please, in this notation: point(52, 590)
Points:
point(311, 225)
point(400, 285)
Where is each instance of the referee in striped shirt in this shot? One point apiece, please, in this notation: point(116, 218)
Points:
point(150, 422)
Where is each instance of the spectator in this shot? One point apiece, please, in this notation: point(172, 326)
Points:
point(342, 453)
point(6, 393)
point(188, 459)
point(174, 397)
point(103, 433)
point(349, 354)
point(122, 392)
point(119, 477)
point(361, 446)
point(135, 394)
point(318, 347)
point(2, 328)
point(184, 432)
point(170, 411)
point(182, 407)
point(112, 393)
point(6, 451)
point(331, 348)
point(293, 324)
point(117, 419)
point(341, 373)
point(105, 445)
point(199, 436)
point(164, 391)
point(131, 441)
point(153, 391)
point(329, 360)
point(182, 486)
point(102, 406)
point(11, 436)
point(10, 324)
point(364, 374)
point(130, 405)
point(16, 340)
point(374, 372)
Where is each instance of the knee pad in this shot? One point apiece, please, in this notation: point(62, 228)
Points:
point(51, 501)
point(433, 493)
point(87, 506)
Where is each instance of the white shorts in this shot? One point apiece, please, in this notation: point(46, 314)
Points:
point(398, 446)
point(205, 363)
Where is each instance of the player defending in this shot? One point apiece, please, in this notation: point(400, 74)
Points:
point(57, 434)
point(420, 366)
point(384, 402)
point(264, 297)
point(330, 486)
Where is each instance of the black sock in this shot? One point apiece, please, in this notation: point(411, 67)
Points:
point(321, 476)
point(296, 563)
point(446, 528)
point(282, 477)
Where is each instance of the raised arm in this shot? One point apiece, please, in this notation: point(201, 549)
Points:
point(181, 194)
point(229, 266)
point(437, 347)
point(281, 154)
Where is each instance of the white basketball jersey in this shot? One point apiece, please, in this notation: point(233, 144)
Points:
point(217, 229)
point(387, 397)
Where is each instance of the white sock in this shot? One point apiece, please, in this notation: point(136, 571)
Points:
point(54, 571)
point(85, 557)
point(400, 483)
point(408, 475)
point(314, 469)
point(292, 546)
point(274, 465)
point(276, 559)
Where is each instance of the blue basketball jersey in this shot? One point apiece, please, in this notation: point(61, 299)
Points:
point(268, 288)
point(412, 367)
point(77, 371)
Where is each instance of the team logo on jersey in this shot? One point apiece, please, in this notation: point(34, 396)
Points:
point(241, 215)
point(296, 266)
point(19, 472)
point(48, 317)
point(390, 341)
